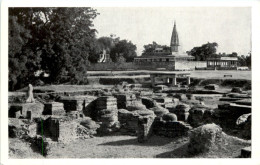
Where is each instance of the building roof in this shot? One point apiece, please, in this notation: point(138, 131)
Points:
point(224, 58)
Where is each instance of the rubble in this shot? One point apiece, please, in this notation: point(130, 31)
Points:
point(41, 144)
point(141, 114)
point(107, 114)
point(128, 121)
point(87, 129)
point(205, 138)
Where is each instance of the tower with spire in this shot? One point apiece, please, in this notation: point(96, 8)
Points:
point(174, 40)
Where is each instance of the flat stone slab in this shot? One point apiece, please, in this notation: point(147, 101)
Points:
point(244, 102)
point(229, 99)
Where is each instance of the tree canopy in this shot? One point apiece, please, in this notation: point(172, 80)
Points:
point(150, 48)
point(123, 48)
point(203, 52)
point(55, 40)
point(59, 41)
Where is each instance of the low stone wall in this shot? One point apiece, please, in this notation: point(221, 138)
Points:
point(76, 103)
point(25, 110)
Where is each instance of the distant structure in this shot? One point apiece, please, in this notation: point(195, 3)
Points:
point(167, 58)
point(222, 63)
point(172, 59)
point(104, 57)
point(174, 40)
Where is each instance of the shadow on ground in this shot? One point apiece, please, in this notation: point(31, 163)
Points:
point(153, 141)
point(180, 152)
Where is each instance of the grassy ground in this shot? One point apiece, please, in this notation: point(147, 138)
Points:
point(127, 147)
point(195, 74)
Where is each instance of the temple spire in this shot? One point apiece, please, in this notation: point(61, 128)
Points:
point(174, 39)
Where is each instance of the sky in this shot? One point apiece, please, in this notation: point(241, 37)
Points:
point(230, 27)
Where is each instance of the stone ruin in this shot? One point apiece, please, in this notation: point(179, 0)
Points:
point(54, 108)
point(169, 126)
point(138, 114)
point(199, 115)
point(107, 114)
point(205, 138)
point(60, 129)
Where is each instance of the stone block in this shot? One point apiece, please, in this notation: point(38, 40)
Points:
point(144, 128)
point(76, 103)
point(106, 102)
point(54, 108)
point(58, 129)
point(123, 100)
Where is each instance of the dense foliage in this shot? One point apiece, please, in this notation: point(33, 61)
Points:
point(203, 52)
point(58, 41)
point(150, 48)
point(209, 50)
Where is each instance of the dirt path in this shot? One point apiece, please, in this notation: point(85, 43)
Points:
point(116, 147)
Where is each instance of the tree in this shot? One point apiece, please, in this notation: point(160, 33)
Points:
point(68, 42)
point(60, 42)
point(22, 59)
point(203, 52)
point(248, 60)
point(245, 60)
point(150, 48)
point(123, 48)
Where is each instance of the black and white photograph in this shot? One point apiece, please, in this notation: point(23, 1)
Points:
point(129, 82)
